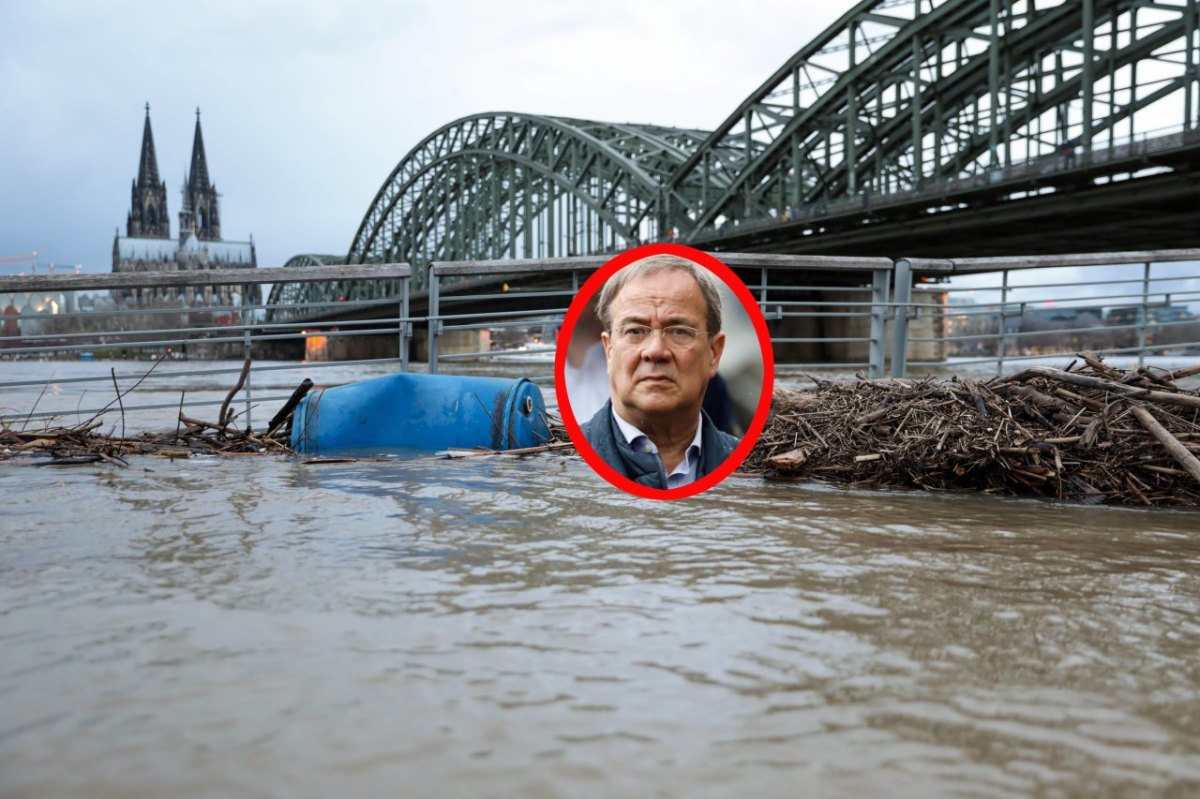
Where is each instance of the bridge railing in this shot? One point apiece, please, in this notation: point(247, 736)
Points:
point(1010, 310)
point(171, 322)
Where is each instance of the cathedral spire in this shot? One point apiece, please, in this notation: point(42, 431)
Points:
point(148, 167)
point(198, 180)
point(201, 213)
point(148, 201)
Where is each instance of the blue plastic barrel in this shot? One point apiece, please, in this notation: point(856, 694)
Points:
point(420, 411)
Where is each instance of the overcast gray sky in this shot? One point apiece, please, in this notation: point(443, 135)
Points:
point(307, 105)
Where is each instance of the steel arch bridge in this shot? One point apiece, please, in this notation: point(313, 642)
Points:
point(296, 294)
point(516, 185)
point(908, 113)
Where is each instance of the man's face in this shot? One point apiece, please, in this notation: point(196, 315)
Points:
point(653, 381)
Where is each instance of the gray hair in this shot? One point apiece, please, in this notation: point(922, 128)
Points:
point(651, 266)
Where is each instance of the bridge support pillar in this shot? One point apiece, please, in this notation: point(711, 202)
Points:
point(795, 339)
point(278, 350)
point(922, 338)
point(841, 332)
point(418, 346)
point(450, 342)
point(460, 342)
point(356, 348)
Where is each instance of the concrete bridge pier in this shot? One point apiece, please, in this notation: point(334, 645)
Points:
point(450, 342)
point(459, 342)
point(318, 346)
point(851, 320)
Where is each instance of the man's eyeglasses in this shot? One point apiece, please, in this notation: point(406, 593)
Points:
point(677, 337)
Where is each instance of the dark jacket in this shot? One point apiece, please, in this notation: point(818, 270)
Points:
point(647, 468)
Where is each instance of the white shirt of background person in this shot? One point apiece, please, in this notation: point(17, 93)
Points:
point(587, 384)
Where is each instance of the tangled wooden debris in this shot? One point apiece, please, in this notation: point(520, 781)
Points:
point(87, 443)
point(1091, 434)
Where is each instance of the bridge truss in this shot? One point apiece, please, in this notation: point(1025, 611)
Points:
point(896, 96)
point(522, 186)
point(932, 108)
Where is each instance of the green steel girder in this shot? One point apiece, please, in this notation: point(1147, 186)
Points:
point(503, 184)
point(1067, 90)
point(896, 96)
point(290, 300)
point(1023, 50)
point(945, 86)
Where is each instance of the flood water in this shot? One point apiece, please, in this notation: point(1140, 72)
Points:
point(259, 627)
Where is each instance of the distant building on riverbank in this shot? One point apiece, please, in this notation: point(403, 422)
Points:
point(147, 245)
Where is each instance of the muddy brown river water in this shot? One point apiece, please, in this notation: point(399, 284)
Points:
point(254, 626)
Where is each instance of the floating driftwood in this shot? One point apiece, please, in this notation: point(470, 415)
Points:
point(1094, 435)
point(84, 443)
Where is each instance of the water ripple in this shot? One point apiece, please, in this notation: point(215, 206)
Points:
point(258, 626)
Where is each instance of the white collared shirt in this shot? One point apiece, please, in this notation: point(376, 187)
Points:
point(686, 471)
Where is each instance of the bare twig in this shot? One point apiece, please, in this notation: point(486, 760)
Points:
point(120, 402)
point(198, 423)
point(289, 407)
point(223, 417)
point(41, 394)
point(458, 454)
point(1188, 400)
point(1179, 452)
point(1188, 372)
point(180, 419)
point(141, 379)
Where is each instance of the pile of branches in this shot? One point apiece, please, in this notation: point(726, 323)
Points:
point(1090, 433)
point(86, 443)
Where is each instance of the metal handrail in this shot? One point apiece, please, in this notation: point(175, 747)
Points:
point(856, 290)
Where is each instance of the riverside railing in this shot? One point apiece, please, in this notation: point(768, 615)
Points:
point(822, 311)
point(54, 317)
point(1013, 309)
point(468, 299)
point(859, 313)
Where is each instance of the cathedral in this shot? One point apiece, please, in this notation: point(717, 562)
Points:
point(147, 245)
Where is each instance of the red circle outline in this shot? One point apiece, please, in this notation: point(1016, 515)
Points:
point(590, 288)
